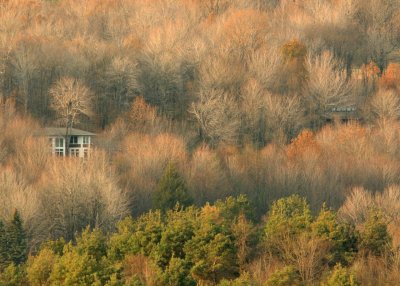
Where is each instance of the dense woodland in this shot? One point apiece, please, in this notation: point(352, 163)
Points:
point(219, 158)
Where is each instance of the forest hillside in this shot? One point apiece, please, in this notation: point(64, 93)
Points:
point(238, 142)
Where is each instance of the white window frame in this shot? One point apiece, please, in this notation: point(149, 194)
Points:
point(59, 148)
point(57, 142)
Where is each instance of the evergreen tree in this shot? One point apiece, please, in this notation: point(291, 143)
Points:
point(375, 237)
point(287, 218)
point(285, 276)
point(4, 260)
point(171, 190)
point(212, 250)
point(13, 275)
point(342, 237)
point(17, 244)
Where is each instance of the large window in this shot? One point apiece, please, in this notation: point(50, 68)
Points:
point(59, 143)
point(85, 139)
point(73, 140)
point(59, 147)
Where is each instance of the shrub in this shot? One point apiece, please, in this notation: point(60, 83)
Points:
point(341, 276)
point(286, 276)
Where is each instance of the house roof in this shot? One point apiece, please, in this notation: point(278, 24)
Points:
point(60, 131)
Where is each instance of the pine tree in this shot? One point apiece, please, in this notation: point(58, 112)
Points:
point(375, 237)
point(171, 190)
point(16, 240)
point(3, 247)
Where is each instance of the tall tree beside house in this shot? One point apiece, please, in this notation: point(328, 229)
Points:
point(171, 190)
point(70, 100)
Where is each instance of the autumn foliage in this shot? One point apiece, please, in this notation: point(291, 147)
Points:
point(241, 142)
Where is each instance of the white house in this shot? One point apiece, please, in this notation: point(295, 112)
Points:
point(80, 141)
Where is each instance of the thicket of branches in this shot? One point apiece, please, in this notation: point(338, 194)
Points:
point(232, 71)
point(238, 96)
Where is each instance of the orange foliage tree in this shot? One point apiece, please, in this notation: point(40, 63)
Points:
point(301, 144)
point(391, 77)
point(294, 53)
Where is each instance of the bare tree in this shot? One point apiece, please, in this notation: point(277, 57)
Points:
point(385, 104)
point(356, 206)
point(328, 87)
point(360, 201)
point(220, 72)
point(253, 111)
point(70, 99)
point(217, 116)
point(205, 176)
point(266, 117)
point(307, 253)
point(25, 64)
point(82, 193)
point(283, 116)
point(264, 64)
point(377, 19)
point(15, 194)
point(116, 88)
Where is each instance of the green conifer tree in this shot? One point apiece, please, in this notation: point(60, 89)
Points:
point(375, 237)
point(17, 244)
point(4, 260)
point(171, 190)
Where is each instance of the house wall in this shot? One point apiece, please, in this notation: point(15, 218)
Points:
point(79, 149)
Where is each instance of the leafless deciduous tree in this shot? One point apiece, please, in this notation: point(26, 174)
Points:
point(25, 64)
point(385, 104)
point(217, 116)
point(264, 65)
point(266, 117)
point(15, 194)
point(205, 176)
point(359, 202)
point(327, 87)
point(377, 19)
point(116, 88)
point(78, 193)
point(70, 99)
point(307, 254)
point(284, 115)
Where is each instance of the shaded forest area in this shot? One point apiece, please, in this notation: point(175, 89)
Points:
point(224, 107)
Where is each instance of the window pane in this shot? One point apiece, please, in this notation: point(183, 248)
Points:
point(73, 140)
point(59, 142)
